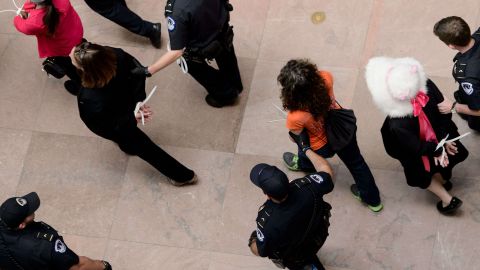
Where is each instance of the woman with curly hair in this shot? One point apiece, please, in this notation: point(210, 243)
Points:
point(307, 94)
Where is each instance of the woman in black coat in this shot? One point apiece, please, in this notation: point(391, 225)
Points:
point(414, 126)
point(107, 100)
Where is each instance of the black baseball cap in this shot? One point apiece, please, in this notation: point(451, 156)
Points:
point(270, 179)
point(14, 210)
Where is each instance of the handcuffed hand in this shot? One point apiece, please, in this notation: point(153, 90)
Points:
point(451, 148)
point(302, 139)
point(147, 114)
point(441, 160)
point(253, 237)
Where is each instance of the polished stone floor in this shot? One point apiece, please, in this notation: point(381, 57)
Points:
point(112, 206)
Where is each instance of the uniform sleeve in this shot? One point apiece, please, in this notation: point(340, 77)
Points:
point(177, 25)
point(472, 93)
point(263, 244)
point(322, 182)
point(62, 257)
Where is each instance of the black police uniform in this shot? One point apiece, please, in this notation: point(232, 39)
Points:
point(118, 12)
point(108, 112)
point(201, 27)
point(37, 247)
point(289, 233)
point(466, 72)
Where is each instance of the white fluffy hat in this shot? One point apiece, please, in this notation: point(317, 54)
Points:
point(393, 82)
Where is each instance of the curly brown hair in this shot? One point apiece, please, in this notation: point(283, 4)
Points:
point(303, 89)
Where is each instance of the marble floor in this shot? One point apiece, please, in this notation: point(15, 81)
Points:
point(115, 207)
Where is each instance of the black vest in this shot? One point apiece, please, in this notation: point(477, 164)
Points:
point(31, 247)
point(468, 67)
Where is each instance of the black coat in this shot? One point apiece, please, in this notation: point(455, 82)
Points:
point(401, 138)
point(108, 110)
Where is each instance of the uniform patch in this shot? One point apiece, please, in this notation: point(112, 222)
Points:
point(317, 178)
point(21, 201)
point(170, 24)
point(60, 246)
point(467, 87)
point(260, 235)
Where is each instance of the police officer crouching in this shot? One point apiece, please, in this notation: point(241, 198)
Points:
point(199, 30)
point(29, 245)
point(293, 223)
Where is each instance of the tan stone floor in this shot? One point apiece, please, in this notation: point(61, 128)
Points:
point(118, 208)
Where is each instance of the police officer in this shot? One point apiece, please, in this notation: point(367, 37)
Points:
point(293, 223)
point(29, 245)
point(455, 33)
point(118, 12)
point(199, 30)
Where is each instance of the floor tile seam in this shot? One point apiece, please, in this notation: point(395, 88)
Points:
point(372, 31)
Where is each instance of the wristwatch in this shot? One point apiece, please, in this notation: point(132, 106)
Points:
point(452, 110)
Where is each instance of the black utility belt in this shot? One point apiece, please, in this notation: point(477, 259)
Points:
point(212, 50)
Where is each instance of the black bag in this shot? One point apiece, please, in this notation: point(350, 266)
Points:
point(52, 68)
point(340, 127)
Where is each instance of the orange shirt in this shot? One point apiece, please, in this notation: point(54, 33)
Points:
point(297, 120)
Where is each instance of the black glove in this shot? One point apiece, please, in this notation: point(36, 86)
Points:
point(302, 140)
point(253, 237)
point(141, 71)
point(107, 265)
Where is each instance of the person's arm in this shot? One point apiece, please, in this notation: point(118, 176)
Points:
point(165, 60)
point(27, 24)
point(253, 247)
point(86, 263)
point(463, 108)
point(320, 164)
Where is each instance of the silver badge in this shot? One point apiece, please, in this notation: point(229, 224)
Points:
point(317, 178)
point(467, 87)
point(170, 24)
point(60, 246)
point(21, 201)
point(260, 235)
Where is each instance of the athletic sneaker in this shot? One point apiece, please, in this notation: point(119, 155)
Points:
point(291, 161)
point(356, 194)
point(189, 182)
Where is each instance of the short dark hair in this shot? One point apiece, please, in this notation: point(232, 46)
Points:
point(453, 30)
point(98, 64)
point(303, 88)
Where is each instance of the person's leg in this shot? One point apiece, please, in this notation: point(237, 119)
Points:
point(133, 141)
point(474, 122)
point(118, 12)
point(436, 187)
point(212, 80)
point(353, 159)
point(228, 66)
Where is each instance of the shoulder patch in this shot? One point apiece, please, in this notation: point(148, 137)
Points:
point(60, 246)
point(170, 24)
point(467, 87)
point(260, 235)
point(317, 178)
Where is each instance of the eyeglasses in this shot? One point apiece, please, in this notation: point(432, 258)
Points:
point(81, 50)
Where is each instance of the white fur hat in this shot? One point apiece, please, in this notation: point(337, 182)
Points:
point(393, 82)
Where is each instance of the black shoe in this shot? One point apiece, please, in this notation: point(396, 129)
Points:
point(219, 103)
point(454, 204)
point(156, 35)
point(72, 87)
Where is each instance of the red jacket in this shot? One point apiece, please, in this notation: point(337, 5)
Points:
point(69, 31)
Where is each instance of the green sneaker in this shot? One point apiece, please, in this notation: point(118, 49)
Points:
point(356, 194)
point(291, 161)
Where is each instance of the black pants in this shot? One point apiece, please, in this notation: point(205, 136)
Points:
point(118, 12)
point(224, 83)
point(134, 142)
point(353, 159)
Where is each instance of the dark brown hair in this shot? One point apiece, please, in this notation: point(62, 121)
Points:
point(453, 30)
point(98, 64)
point(303, 88)
point(51, 18)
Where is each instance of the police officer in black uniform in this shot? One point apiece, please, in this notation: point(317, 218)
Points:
point(293, 223)
point(29, 245)
point(118, 12)
point(455, 33)
point(199, 30)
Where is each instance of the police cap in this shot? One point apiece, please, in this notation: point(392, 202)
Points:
point(14, 210)
point(270, 179)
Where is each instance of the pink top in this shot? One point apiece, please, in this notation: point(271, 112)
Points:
point(69, 31)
